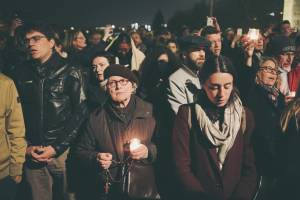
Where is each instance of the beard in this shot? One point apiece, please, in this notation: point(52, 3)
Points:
point(195, 65)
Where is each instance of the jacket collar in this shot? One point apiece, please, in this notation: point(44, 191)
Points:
point(141, 110)
point(51, 68)
point(189, 71)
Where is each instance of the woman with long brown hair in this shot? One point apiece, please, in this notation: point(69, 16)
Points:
point(288, 181)
point(211, 139)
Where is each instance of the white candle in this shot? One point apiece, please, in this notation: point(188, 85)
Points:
point(292, 94)
point(134, 144)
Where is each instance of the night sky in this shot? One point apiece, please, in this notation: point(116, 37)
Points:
point(95, 12)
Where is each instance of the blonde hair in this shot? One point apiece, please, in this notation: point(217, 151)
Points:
point(262, 61)
point(292, 110)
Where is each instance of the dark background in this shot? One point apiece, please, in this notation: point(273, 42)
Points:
point(90, 13)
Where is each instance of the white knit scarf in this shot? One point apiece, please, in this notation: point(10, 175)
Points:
point(224, 139)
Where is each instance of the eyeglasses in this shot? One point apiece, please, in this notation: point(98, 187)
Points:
point(270, 70)
point(34, 39)
point(113, 84)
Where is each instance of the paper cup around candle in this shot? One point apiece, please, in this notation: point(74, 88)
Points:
point(292, 94)
point(134, 144)
point(253, 34)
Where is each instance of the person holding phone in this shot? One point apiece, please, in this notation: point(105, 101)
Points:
point(251, 53)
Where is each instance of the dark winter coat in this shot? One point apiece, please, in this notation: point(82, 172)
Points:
point(104, 133)
point(197, 166)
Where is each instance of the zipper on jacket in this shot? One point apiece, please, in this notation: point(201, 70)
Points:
point(41, 131)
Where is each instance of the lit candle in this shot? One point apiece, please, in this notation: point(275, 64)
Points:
point(134, 144)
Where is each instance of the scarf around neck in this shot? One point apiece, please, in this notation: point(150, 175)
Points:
point(223, 138)
point(272, 92)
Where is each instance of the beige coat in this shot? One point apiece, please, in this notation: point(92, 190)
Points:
point(12, 130)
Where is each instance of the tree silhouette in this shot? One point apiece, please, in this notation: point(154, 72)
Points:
point(230, 13)
point(193, 18)
point(158, 21)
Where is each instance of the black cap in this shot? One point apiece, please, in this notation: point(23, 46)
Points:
point(282, 44)
point(120, 70)
point(192, 42)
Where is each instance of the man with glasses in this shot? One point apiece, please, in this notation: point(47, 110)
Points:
point(52, 96)
point(103, 144)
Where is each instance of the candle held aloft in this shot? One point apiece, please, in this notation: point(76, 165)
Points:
point(253, 34)
point(134, 144)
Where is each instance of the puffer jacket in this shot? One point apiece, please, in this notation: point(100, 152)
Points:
point(53, 99)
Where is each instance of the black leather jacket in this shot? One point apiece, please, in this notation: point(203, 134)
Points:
point(53, 102)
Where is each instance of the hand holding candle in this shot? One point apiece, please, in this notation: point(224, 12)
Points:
point(137, 150)
point(134, 144)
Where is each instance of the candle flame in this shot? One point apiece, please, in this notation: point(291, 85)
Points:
point(134, 144)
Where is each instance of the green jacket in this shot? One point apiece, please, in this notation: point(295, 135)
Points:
point(12, 130)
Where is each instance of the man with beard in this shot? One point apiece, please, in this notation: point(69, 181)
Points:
point(184, 83)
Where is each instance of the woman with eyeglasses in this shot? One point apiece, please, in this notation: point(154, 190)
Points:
point(266, 102)
point(117, 140)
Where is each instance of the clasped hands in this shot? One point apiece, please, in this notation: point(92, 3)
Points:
point(41, 154)
point(105, 159)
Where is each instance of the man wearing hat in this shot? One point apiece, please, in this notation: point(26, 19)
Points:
point(283, 48)
point(103, 143)
point(184, 83)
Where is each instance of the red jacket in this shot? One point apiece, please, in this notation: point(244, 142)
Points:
point(197, 166)
point(294, 78)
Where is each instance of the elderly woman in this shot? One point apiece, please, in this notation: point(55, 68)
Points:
point(266, 102)
point(211, 139)
point(118, 134)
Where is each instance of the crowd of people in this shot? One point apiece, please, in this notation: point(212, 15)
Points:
point(210, 114)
